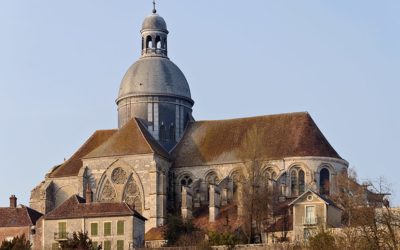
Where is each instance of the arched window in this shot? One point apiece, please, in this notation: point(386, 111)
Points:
point(186, 181)
point(142, 43)
point(163, 136)
point(297, 177)
point(158, 42)
point(293, 178)
point(301, 181)
point(164, 44)
point(172, 133)
point(149, 42)
point(324, 182)
point(236, 178)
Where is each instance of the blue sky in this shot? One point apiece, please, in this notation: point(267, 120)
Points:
point(61, 63)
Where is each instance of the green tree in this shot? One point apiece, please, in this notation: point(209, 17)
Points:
point(79, 241)
point(18, 243)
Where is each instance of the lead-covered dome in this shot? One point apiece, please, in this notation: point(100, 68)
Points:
point(154, 22)
point(154, 76)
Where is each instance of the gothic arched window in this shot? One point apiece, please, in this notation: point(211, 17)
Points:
point(293, 178)
point(297, 177)
point(301, 182)
point(324, 181)
point(163, 132)
point(186, 181)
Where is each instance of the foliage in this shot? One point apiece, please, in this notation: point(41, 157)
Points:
point(181, 233)
point(227, 238)
point(322, 240)
point(18, 243)
point(369, 222)
point(79, 241)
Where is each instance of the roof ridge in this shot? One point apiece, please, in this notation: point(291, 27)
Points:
point(253, 117)
point(81, 149)
point(141, 128)
point(143, 136)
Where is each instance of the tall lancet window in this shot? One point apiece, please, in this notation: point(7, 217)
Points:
point(163, 133)
point(324, 182)
point(297, 177)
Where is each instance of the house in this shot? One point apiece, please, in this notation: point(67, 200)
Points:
point(112, 225)
point(312, 210)
point(16, 221)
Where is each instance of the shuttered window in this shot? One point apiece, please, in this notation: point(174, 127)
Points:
point(120, 245)
point(107, 228)
point(62, 230)
point(120, 227)
point(107, 245)
point(94, 229)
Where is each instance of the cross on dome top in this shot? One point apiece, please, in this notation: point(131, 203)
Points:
point(154, 7)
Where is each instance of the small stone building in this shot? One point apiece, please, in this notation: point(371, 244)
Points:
point(18, 220)
point(112, 225)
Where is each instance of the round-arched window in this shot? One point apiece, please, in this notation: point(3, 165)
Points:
point(324, 181)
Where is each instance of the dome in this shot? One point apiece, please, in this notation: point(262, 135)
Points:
point(154, 76)
point(154, 22)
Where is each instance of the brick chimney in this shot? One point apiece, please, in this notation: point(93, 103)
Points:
point(13, 201)
point(89, 194)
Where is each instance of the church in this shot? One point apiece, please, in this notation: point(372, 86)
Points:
point(160, 159)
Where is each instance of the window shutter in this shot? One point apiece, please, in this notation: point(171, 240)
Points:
point(107, 228)
point(120, 227)
point(94, 229)
point(120, 245)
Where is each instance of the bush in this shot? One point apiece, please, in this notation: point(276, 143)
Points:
point(79, 241)
point(226, 239)
point(18, 243)
point(182, 233)
point(322, 240)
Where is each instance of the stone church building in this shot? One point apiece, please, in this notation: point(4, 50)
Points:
point(159, 153)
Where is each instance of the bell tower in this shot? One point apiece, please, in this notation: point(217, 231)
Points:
point(154, 89)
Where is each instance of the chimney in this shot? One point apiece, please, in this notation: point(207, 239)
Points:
point(89, 194)
point(13, 201)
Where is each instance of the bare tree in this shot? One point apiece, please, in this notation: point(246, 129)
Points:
point(255, 198)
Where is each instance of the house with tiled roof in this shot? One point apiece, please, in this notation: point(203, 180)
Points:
point(160, 158)
point(113, 225)
point(17, 221)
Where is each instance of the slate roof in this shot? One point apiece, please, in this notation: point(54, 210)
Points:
point(269, 137)
point(72, 166)
point(18, 217)
point(76, 207)
point(132, 139)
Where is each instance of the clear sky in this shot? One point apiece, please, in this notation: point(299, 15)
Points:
point(61, 63)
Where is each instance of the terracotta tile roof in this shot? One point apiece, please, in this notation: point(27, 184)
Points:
point(18, 217)
point(226, 221)
point(132, 139)
point(265, 137)
point(76, 207)
point(72, 166)
point(155, 233)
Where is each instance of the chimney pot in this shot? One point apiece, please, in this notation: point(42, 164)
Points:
point(13, 201)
